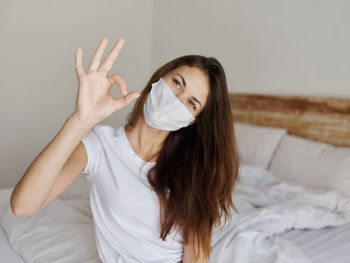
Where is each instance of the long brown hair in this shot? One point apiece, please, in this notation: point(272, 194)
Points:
point(197, 166)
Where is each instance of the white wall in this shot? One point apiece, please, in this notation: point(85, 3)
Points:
point(296, 47)
point(38, 85)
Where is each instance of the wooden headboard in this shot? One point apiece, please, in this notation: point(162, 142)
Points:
point(316, 118)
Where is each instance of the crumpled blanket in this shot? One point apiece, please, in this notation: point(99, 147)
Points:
point(267, 207)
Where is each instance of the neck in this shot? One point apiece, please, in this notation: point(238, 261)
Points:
point(145, 140)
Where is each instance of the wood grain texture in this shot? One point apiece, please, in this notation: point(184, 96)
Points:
point(316, 118)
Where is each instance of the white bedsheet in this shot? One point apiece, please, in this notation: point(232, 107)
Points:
point(327, 245)
point(6, 252)
point(267, 209)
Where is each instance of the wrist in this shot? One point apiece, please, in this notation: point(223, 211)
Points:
point(79, 124)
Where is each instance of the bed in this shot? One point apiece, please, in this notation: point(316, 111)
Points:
point(6, 252)
point(292, 194)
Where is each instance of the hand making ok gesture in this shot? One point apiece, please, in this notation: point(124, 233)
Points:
point(94, 101)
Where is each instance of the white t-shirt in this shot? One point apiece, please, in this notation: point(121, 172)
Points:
point(124, 207)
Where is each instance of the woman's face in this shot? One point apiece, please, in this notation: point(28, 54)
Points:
point(191, 87)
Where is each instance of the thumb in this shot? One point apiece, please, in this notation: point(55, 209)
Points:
point(116, 79)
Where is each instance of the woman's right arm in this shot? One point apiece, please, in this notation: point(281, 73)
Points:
point(62, 160)
point(52, 171)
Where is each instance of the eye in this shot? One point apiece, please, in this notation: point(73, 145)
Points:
point(178, 85)
point(193, 105)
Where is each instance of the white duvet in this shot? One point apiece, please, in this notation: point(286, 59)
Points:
point(267, 207)
point(63, 231)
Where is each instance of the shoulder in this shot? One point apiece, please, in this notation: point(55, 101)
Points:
point(107, 130)
point(102, 128)
point(102, 135)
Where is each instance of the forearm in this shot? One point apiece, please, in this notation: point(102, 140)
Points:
point(40, 176)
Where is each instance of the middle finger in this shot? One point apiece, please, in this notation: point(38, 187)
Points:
point(111, 57)
point(95, 61)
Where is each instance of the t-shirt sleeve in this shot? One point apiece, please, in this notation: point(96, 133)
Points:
point(93, 149)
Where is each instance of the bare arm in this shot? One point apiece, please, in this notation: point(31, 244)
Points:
point(62, 160)
point(40, 177)
point(69, 173)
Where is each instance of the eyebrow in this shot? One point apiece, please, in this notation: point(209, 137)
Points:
point(195, 99)
point(182, 79)
point(184, 84)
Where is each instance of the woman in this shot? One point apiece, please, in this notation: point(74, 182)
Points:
point(160, 184)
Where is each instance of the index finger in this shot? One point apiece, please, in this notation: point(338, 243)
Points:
point(108, 62)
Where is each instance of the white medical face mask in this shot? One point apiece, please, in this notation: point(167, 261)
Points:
point(163, 110)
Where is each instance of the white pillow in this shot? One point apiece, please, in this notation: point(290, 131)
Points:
point(257, 144)
point(56, 233)
point(314, 164)
point(79, 189)
point(77, 195)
